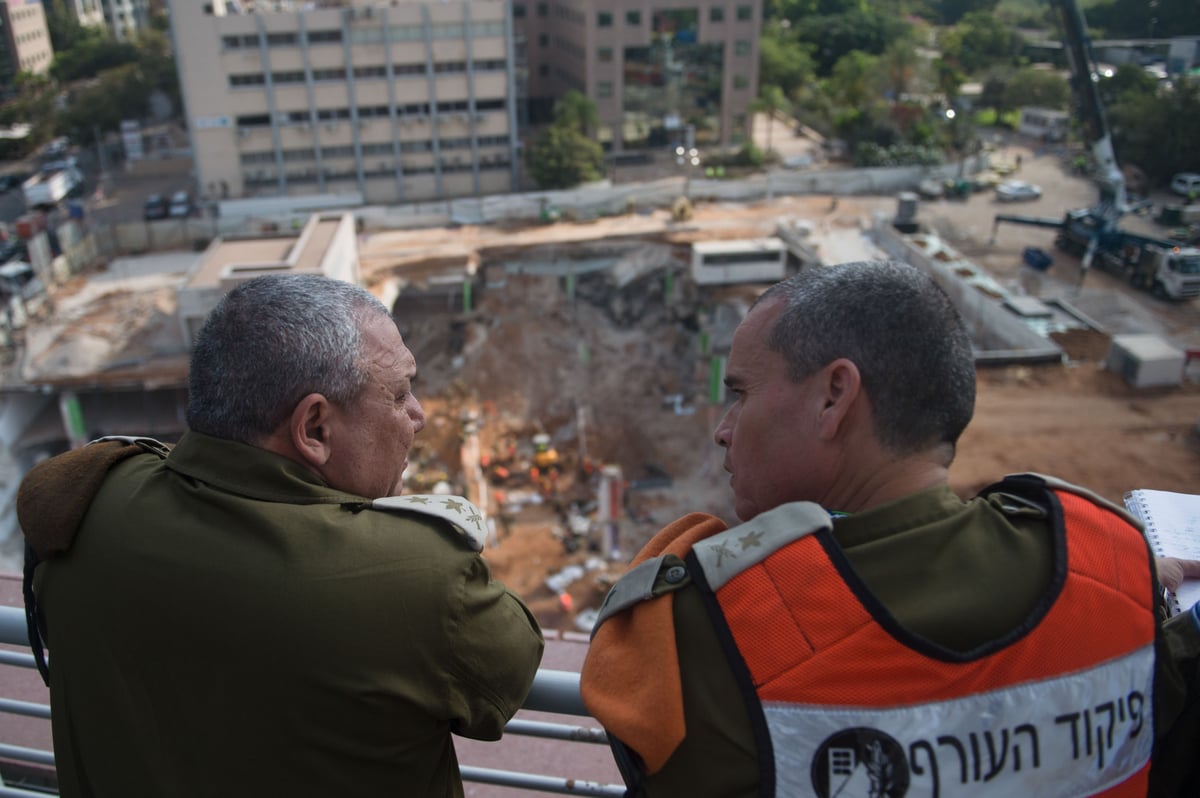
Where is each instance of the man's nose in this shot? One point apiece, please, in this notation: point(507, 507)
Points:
point(723, 432)
point(417, 414)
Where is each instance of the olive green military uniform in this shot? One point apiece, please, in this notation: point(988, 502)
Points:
point(225, 624)
point(959, 574)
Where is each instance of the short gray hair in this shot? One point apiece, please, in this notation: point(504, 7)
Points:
point(900, 329)
point(270, 342)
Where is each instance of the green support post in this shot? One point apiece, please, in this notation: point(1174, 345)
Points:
point(716, 380)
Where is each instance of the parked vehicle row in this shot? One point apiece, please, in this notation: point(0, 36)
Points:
point(179, 206)
point(1186, 184)
point(1017, 191)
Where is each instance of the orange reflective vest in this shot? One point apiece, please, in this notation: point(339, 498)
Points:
point(846, 702)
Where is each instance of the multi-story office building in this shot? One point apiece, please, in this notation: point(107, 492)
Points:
point(88, 13)
point(655, 70)
point(125, 18)
point(24, 40)
point(406, 101)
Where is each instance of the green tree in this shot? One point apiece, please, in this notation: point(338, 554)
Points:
point(564, 154)
point(784, 60)
point(901, 67)
point(949, 79)
point(1037, 87)
point(1156, 131)
point(575, 110)
point(65, 30)
point(949, 12)
point(33, 103)
point(1126, 18)
point(832, 36)
point(90, 57)
point(980, 41)
point(854, 79)
point(771, 101)
point(1128, 79)
point(118, 94)
point(995, 93)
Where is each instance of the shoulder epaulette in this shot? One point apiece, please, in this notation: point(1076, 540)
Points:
point(464, 516)
point(725, 555)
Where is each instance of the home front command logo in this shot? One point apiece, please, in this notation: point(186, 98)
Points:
point(860, 763)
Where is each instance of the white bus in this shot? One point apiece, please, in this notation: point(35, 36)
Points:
point(754, 260)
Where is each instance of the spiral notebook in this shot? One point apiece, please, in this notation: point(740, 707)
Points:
point(1172, 522)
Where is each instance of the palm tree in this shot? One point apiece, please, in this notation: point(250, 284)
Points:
point(771, 100)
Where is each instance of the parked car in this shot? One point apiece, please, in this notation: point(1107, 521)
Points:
point(986, 181)
point(931, 188)
point(12, 180)
point(1186, 184)
point(181, 205)
point(1017, 190)
point(156, 207)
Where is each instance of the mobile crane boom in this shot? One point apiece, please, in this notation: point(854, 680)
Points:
point(1092, 233)
point(1113, 202)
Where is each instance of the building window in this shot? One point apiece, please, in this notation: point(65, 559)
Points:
point(745, 13)
point(741, 47)
point(518, 11)
point(604, 88)
point(604, 19)
point(604, 55)
point(543, 40)
point(740, 82)
point(633, 18)
point(543, 9)
point(716, 14)
point(544, 70)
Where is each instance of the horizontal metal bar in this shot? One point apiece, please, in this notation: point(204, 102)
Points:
point(20, 754)
point(13, 629)
point(16, 792)
point(552, 691)
point(17, 659)
point(556, 691)
point(14, 707)
point(556, 731)
point(531, 781)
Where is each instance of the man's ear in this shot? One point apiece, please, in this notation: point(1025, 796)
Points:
point(842, 387)
point(309, 429)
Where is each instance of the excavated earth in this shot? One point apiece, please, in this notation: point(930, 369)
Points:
point(617, 375)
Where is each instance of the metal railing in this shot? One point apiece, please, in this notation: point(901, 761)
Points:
point(553, 691)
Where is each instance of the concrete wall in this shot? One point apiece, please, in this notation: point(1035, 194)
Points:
point(604, 199)
point(1000, 335)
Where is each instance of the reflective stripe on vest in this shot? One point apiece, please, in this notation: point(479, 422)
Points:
point(1072, 735)
point(1060, 706)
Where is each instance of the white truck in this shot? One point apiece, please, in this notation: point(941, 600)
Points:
point(52, 184)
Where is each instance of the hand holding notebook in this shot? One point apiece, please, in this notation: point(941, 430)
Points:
point(1172, 522)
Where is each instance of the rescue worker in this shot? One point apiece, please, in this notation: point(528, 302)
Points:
point(866, 632)
point(256, 611)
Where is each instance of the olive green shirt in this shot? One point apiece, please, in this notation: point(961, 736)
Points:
point(225, 624)
point(959, 574)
